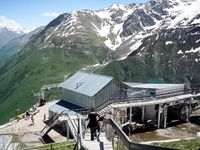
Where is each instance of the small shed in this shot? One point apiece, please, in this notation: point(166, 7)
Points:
point(91, 90)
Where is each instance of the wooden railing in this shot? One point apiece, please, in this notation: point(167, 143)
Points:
point(125, 143)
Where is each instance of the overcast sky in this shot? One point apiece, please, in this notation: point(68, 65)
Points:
point(34, 13)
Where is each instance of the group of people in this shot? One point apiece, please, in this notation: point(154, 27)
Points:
point(94, 124)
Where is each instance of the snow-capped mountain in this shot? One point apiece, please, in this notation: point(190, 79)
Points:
point(9, 29)
point(11, 25)
point(164, 48)
point(120, 28)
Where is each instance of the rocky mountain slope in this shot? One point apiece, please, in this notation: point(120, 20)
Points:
point(155, 41)
point(169, 51)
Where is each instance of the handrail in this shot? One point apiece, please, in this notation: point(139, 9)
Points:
point(127, 142)
point(77, 129)
point(74, 125)
point(53, 118)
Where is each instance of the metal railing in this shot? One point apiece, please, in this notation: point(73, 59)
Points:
point(76, 126)
point(142, 98)
point(51, 121)
point(126, 143)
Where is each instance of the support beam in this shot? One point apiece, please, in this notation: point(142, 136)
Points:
point(113, 141)
point(186, 113)
point(158, 117)
point(67, 130)
point(165, 116)
point(80, 129)
point(118, 143)
point(142, 114)
point(130, 115)
point(190, 106)
point(114, 114)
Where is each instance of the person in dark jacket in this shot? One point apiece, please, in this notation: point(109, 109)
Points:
point(93, 117)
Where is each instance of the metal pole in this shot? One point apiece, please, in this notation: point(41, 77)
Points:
point(113, 142)
point(190, 105)
point(78, 136)
point(186, 113)
point(158, 119)
point(142, 114)
point(114, 114)
point(118, 143)
point(165, 116)
point(130, 115)
point(67, 131)
point(80, 129)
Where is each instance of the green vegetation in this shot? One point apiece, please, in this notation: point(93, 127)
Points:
point(193, 144)
point(131, 69)
point(56, 146)
point(52, 94)
point(22, 77)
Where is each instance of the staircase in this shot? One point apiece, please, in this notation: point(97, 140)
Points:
point(104, 110)
point(102, 144)
point(51, 123)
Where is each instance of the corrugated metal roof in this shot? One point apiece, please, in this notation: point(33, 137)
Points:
point(85, 83)
point(152, 85)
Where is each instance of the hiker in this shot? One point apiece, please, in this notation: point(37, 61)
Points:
point(27, 115)
point(44, 117)
point(32, 119)
point(93, 117)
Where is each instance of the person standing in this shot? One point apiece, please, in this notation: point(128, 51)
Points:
point(93, 117)
point(32, 119)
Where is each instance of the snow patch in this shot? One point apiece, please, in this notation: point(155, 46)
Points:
point(184, 13)
point(103, 14)
point(136, 45)
point(95, 65)
point(168, 42)
point(132, 48)
point(52, 32)
point(193, 50)
point(109, 44)
point(119, 6)
point(180, 52)
point(196, 21)
point(197, 41)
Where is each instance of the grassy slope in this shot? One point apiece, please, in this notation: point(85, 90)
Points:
point(25, 74)
point(131, 69)
point(183, 145)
